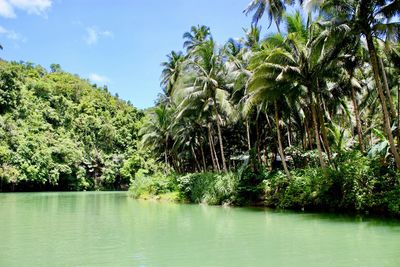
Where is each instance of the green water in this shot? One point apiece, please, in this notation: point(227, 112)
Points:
point(110, 229)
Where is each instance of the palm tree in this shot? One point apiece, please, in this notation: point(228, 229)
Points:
point(208, 89)
point(392, 52)
point(370, 18)
point(306, 58)
point(263, 88)
point(196, 36)
point(238, 55)
point(274, 9)
point(189, 136)
point(156, 131)
point(252, 39)
point(351, 81)
point(172, 69)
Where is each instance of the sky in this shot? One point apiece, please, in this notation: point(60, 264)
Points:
point(118, 43)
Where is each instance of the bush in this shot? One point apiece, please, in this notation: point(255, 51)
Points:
point(145, 184)
point(210, 188)
point(250, 185)
point(358, 184)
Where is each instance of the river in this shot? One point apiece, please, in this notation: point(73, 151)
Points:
point(111, 229)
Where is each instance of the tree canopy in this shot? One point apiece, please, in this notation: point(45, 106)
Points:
point(59, 132)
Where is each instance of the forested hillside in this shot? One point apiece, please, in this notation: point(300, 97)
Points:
point(59, 132)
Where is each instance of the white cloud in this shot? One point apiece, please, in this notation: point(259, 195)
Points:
point(99, 79)
point(93, 35)
point(36, 7)
point(12, 35)
point(6, 10)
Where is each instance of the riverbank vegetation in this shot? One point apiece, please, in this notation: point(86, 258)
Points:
point(58, 132)
point(305, 118)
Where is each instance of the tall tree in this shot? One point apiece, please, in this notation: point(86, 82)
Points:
point(172, 69)
point(196, 36)
point(156, 132)
point(371, 19)
point(308, 60)
point(274, 9)
point(209, 88)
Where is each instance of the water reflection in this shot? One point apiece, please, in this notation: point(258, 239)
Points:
point(110, 229)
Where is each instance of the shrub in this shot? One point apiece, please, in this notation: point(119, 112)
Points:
point(357, 184)
point(152, 184)
point(250, 188)
point(210, 188)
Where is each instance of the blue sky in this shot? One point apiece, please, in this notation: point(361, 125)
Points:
point(120, 43)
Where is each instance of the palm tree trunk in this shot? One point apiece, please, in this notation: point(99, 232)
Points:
point(304, 137)
point(203, 158)
point(248, 134)
point(309, 140)
point(177, 163)
point(221, 145)
point(322, 122)
point(280, 148)
point(258, 140)
point(358, 120)
point(211, 144)
point(315, 126)
point(398, 113)
point(387, 90)
point(289, 132)
point(215, 154)
point(166, 151)
point(266, 155)
point(195, 158)
point(323, 129)
point(266, 145)
point(386, 124)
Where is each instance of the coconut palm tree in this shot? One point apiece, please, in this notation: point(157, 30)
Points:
point(274, 9)
point(189, 136)
point(196, 36)
point(156, 132)
point(252, 38)
point(263, 88)
point(306, 58)
point(208, 89)
point(370, 18)
point(172, 68)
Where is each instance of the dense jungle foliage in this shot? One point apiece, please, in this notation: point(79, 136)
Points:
point(305, 118)
point(58, 132)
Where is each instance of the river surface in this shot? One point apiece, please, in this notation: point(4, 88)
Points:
point(111, 229)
